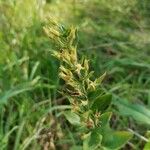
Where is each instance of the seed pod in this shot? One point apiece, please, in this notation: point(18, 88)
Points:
point(78, 68)
point(90, 123)
point(86, 65)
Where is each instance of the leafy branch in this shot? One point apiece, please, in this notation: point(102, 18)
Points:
point(89, 102)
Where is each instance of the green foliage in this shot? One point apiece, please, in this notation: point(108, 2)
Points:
point(114, 139)
point(138, 112)
point(147, 146)
point(101, 103)
point(18, 90)
point(73, 118)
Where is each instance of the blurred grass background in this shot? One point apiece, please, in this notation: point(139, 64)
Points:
point(113, 34)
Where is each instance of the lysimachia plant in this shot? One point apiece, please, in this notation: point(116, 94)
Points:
point(89, 112)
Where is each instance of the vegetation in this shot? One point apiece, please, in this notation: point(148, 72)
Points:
point(50, 98)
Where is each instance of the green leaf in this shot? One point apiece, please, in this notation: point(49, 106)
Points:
point(93, 141)
point(147, 146)
point(93, 94)
point(114, 140)
point(76, 148)
point(111, 140)
point(101, 103)
point(101, 78)
point(104, 118)
point(117, 139)
point(140, 113)
point(73, 118)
